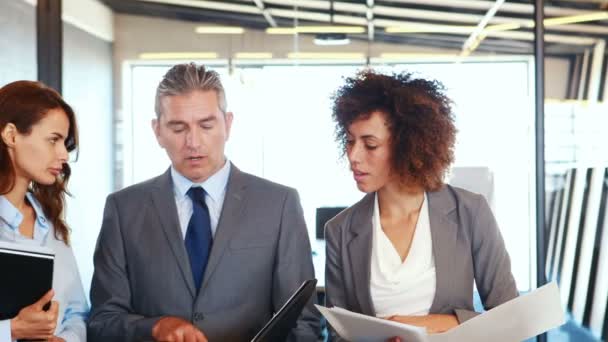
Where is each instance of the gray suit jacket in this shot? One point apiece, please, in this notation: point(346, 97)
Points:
point(467, 246)
point(260, 256)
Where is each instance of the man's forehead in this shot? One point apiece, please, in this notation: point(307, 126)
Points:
point(189, 105)
point(195, 96)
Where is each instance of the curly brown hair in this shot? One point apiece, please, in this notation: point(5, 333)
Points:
point(419, 118)
point(24, 103)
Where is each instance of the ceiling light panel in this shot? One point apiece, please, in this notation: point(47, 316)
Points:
point(219, 30)
point(178, 55)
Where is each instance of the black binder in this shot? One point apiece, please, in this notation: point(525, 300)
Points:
point(27, 274)
point(279, 326)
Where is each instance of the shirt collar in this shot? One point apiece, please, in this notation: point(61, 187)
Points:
point(13, 217)
point(40, 217)
point(214, 186)
point(10, 214)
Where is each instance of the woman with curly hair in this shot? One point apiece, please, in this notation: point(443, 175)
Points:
point(37, 131)
point(410, 250)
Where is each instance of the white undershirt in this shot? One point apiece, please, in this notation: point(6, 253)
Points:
point(402, 288)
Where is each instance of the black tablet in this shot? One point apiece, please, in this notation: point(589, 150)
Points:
point(279, 326)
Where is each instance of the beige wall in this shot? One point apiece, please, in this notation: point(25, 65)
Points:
point(138, 34)
point(556, 78)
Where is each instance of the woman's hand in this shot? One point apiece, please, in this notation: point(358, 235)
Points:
point(33, 322)
point(436, 323)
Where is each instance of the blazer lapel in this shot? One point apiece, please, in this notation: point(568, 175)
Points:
point(444, 230)
point(163, 199)
point(229, 221)
point(360, 251)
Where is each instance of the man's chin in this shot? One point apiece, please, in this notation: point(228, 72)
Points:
point(196, 177)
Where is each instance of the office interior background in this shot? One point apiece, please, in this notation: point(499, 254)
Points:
point(280, 61)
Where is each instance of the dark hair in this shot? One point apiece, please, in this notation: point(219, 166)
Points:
point(24, 103)
point(419, 118)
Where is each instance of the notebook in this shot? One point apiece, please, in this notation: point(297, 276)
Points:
point(27, 274)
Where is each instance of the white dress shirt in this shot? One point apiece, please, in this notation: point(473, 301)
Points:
point(402, 287)
point(69, 293)
point(215, 188)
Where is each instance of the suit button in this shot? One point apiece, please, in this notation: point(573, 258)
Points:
point(198, 316)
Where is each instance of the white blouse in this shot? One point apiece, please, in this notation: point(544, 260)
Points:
point(408, 287)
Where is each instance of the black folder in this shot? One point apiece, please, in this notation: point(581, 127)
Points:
point(279, 326)
point(27, 274)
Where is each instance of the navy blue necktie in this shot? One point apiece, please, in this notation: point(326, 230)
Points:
point(198, 236)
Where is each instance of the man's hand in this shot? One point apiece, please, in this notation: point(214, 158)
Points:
point(33, 322)
point(175, 329)
point(434, 324)
point(56, 339)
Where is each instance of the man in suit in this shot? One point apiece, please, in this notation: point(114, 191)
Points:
point(204, 251)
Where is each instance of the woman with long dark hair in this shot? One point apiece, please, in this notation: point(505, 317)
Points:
point(38, 131)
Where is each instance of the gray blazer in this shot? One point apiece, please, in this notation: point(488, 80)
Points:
point(260, 256)
point(467, 247)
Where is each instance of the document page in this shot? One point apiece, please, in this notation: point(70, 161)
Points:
point(516, 320)
point(356, 327)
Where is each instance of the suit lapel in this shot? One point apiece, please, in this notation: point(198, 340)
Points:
point(444, 230)
point(360, 251)
point(164, 202)
point(229, 222)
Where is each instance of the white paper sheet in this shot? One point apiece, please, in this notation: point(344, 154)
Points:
point(516, 320)
point(362, 328)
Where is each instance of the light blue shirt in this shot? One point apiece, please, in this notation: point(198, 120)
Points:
point(69, 293)
point(215, 188)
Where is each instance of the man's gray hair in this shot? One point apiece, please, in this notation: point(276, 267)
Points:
point(184, 78)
